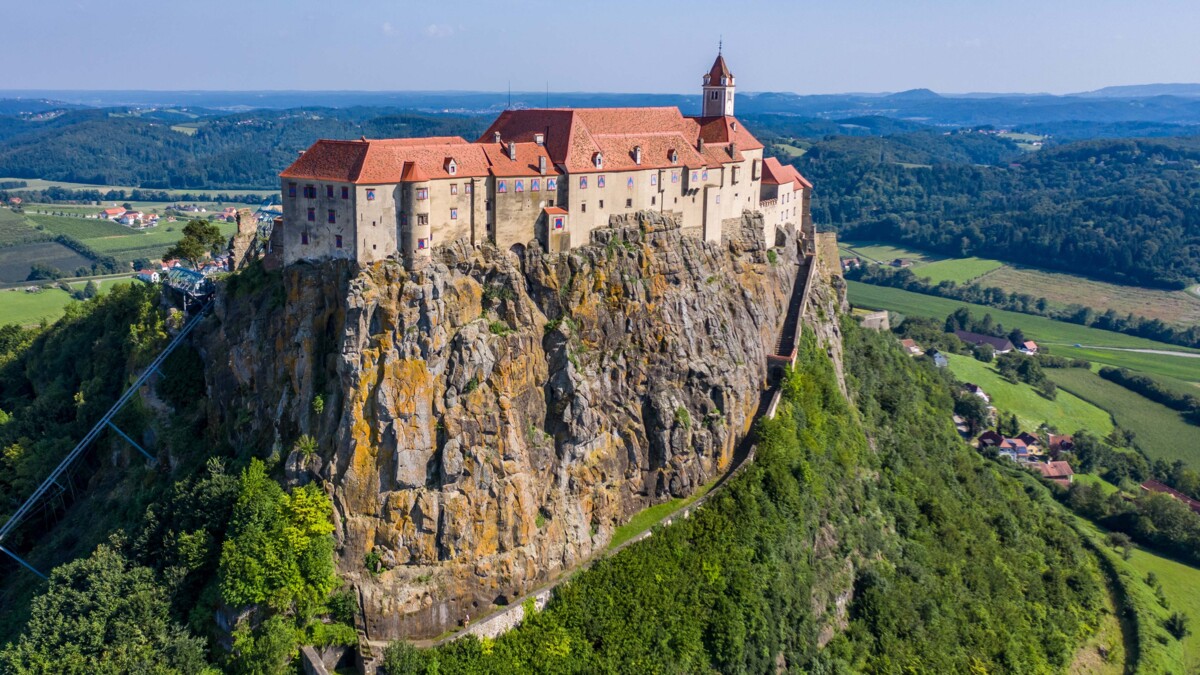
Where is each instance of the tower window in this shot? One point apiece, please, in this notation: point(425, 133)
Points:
point(337, 240)
point(345, 192)
point(601, 203)
point(310, 191)
point(329, 191)
point(370, 194)
point(629, 203)
point(422, 193)
point(312, 215)
point(583, 207)
point(422, 219)
point(332, 216)
point(715, 95)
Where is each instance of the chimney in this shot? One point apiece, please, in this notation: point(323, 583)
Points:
point(542, 164)
point(700, 145)
point(540, 139)
point(512, 151)
point(732, 149)
point(496, 137)
point(637, 154)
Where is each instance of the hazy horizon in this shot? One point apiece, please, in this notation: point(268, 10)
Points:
point(804, 48)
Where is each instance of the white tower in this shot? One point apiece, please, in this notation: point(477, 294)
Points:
point(718, 89)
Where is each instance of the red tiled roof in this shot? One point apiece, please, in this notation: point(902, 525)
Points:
point(1054, 470)
point(725, 129)
point(555, 210)
point(388, 160)
point(718, 70)
point(776, 173)
point(1155, 486)
point(526, 163)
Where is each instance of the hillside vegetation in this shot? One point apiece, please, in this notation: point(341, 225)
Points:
point(1123, 210)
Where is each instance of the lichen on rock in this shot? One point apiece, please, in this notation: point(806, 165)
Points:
point(487, 421)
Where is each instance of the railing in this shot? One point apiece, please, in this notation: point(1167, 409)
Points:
point(104, 422)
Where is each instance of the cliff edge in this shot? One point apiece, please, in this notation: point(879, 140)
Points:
point(486, 422)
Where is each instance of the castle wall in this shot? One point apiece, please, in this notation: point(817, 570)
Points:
point(515, 214)
point(376, 221)
point(305, 239)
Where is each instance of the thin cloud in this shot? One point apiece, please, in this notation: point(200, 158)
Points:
point(387, 28)
point(439, 30)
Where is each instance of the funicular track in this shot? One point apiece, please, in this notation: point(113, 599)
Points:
point(51, 487)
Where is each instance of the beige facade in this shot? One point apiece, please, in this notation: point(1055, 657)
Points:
point(545, 176)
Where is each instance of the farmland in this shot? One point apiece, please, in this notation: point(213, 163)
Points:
point(1060, 335)
point(1160, 432)
point(880, 252)
point(14, 229)
point(123, 243)
point(1067, 413)
point(39, 184)
point(16, 261)
point(959, 270)
point(1061, 290)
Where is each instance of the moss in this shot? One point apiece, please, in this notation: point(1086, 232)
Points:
point(683, 417)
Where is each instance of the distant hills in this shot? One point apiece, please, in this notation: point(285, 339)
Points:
point(1145, 91)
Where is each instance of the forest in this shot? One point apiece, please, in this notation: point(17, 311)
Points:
point(1124, 210)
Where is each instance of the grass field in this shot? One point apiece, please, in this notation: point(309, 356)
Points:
point(1092, 479)
point(28, 309)
point(1060, 290)
point(882, 252)
point(1160, 432)
point(1058, 335)
point(1067, 413)
point(1181, 585)
point(961, 270)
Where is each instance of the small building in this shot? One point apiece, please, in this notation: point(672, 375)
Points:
point(1061, 443)
point(1058, 472)
point(990, 439)
point(15, 201)
point(149, 276)
point(912, 347)
point(1029, 439)
point(850, 264)
point(978, 391)
point(902, 263)
point(1161, 488)
point(999, 344)
point(114, 213)
point(939, 359)
point(1029, 347)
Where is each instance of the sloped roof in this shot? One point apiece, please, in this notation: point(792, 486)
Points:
point(388, 160)
point(719, 69)
point(526, 163)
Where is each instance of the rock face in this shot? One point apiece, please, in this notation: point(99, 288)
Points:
point(486, 422)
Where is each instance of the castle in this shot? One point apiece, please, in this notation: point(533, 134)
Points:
point(546, 175)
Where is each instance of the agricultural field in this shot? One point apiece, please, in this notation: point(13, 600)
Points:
point(1060, 290)
point(28, 309)
point(16, 261)
point(882, 252)
point(960, 270)
point(14, 229)
point(123, 243)
point(1058, 335)
point(1067, 413)
point(1159, 431)
point(1181, 586)
point(39, 184)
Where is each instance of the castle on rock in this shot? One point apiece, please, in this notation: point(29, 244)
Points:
point(546, 175)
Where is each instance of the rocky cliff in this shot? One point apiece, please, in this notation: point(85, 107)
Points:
point(486, 422)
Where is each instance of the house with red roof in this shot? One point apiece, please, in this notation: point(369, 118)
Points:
point(549, 176)
point(1058, 472)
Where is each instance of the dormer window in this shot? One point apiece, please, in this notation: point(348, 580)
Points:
point(673, 156)
point(637, 154)
point(598, 160)
point(724, 81)
point(540, 139)
point(451, 166)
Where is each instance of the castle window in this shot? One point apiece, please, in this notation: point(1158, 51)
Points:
point(715, 95)
point(601, 203)
point(583, 207)
point(312, 215)
point(718, 198)
point(452, 167)
point(422, 219)
point(540, 139)
point(600, 181)
point(422, 193)
point(345, 192)
point(422, 244)
point(337, 240)
point(535, 184)
point(519, 186)
point(629, 203)
point(310, 191)
point(551, 183)
point(583, 182)
point(329, 191)
point(370, 194)
point(291, 189)
point(673, 156)
point(654, 179)
point(652, 200)
point(332, 216)
point(304, 237)
point(454, 188)
point(467, 188)
point(629, 183)
point(558, 222)
point(453, 214)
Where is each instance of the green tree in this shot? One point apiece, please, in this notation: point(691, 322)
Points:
point(200, 239)
point(983, 352)
point(103, 614)
point(91, 290)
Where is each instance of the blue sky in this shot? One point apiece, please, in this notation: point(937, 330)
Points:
point(587, 45)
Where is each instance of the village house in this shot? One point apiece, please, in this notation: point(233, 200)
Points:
point(912, 347)
point(549, 176)
point(999, 344)
point(149, 276)
point(940, 360)
point(1060, 443)
point(113, 213)
point(1058, 472)
point(1029, 348)
point(1162, 488)
point(978, 391)
point(850, 264)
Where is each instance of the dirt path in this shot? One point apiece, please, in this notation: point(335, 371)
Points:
point(1164, 352)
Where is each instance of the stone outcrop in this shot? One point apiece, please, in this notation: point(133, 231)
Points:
point(486, 422)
